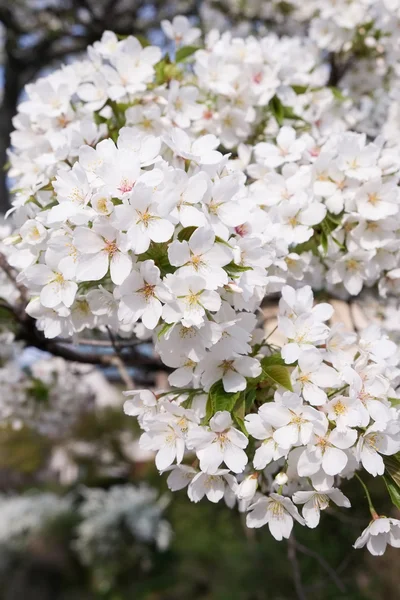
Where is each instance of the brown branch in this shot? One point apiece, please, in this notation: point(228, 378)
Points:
point(11, 274)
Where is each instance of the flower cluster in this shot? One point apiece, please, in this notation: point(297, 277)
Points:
point(279, 427)
point(165, 198)
point(340, 198)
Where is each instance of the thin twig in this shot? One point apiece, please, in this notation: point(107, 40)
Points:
point(292, 556)
point(324, 564)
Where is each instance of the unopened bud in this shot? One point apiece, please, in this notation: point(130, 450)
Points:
point(281, 478)
point(248, 487)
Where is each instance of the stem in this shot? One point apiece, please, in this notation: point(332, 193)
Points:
point(372, 510)
point(269, 335)
point(339, 391)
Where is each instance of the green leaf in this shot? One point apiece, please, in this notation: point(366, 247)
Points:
point(278, 374)
point(143, 40)
point(50, 205)
point(186, 233)
point(337, 93)
point(289, 113)
point(164, 328)
point(239, 412)
point(234, 270)
point(158, 253)
point(220, 399)
point(324, 242)
point(328, 225)
point(392, 465)
point(221, 241)
point(277, 109)
point(394, 401)
point(249, 398)
point(184, 53)
point(159, 69)
point(300, 89)
point(394, 491)
point(274, 359)
point(308, 246)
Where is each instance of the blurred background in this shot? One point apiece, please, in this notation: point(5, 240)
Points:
point(83, 513)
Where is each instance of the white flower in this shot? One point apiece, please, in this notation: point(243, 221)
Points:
point(287, 149)
point(314, 501)
point(232, 370)
point(213, 486)
point(379, 533)
point(276, 511)
point(311, 375)
point(326, 450)
point(139, 296)
point(293, 422)
point(192, 299)
point(373, 442)
point(141, 404)
point(220, 442)
point(56, 283)
point(100, 248)
point(142, 221)
point(269, 449)
point(180, 31)
point(201, 256)
point(180, 477)
point(301, 333)
point(165, 437)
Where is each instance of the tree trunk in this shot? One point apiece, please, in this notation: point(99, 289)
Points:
point(8, 109)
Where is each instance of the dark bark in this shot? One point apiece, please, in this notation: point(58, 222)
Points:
point(11, 92)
